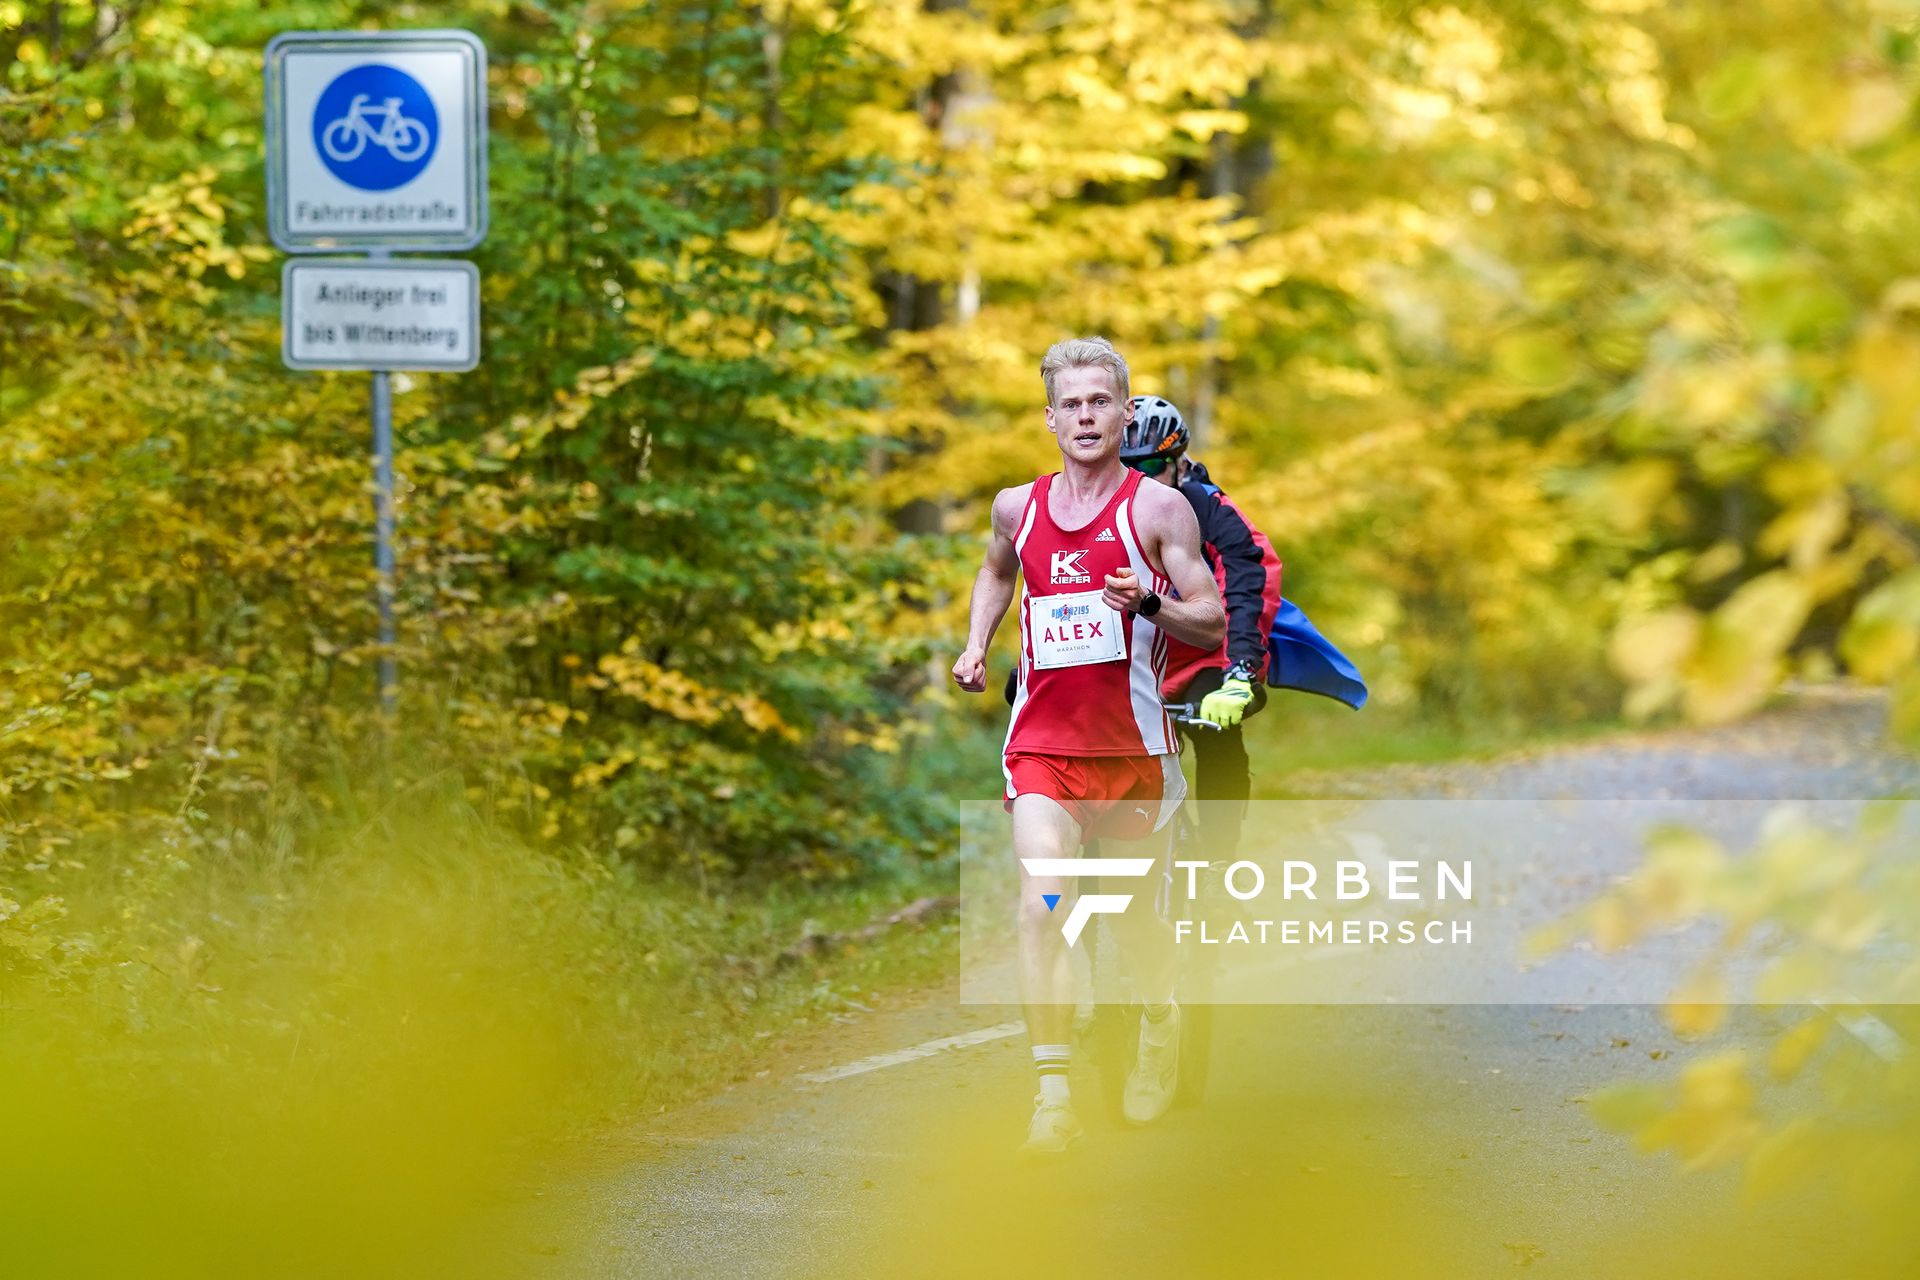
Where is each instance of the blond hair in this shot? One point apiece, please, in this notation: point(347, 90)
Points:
point(1084, 353)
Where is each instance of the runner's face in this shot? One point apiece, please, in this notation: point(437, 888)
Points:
point(1089, 415)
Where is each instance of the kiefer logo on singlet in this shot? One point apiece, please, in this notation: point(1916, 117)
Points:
point(1067, 569)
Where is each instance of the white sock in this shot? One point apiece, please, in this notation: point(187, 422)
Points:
point(1050, 1060)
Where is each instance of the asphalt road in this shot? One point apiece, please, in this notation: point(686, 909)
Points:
point(1335, 1140)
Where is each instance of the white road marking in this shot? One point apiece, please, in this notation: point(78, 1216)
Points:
point(1881, 1040)
point(927, 1050)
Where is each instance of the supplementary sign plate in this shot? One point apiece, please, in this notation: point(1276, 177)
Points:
point(396, 314)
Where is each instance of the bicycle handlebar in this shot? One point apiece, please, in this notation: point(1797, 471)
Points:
point(1183, 713)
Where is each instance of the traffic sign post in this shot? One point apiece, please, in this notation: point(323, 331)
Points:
point(378, 141)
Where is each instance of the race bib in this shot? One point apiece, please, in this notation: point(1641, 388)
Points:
point(1073, 630)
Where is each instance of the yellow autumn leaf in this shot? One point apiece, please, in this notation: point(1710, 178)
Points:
point(1876, 105)
point(1847, 922)
point(1878, 649)
point(1699, 1007)
point(1652, 645)
point(1547, 939)
point(1792, 1050)
point(1630, 1106)
point(1679, 866)
point(1805, 533)
point(1903, 724)
point(1802, 975)
point(1612, 924)
point(1770, 610)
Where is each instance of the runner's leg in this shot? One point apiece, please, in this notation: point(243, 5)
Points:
point(1146, 939)
point(1042, 829)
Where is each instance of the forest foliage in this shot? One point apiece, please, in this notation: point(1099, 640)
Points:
point(1569, 352)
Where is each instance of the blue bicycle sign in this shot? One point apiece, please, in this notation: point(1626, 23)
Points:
point(375, 139)
point(375, 127)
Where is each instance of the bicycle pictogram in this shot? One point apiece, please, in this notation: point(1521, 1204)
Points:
point(375, 127)
point(400, 136)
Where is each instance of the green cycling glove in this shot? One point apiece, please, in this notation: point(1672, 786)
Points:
point(1226, 705)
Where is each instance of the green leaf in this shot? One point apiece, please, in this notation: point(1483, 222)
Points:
point(1540, 360)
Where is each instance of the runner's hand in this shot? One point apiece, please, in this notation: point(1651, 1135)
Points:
point(970, 672)
point(1122, 591)
point(1228, 704)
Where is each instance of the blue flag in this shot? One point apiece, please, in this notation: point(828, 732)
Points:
point(1299, 657)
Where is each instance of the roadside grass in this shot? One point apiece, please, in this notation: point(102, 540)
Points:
point(329, 1065)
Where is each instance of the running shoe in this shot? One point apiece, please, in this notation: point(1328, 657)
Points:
point(1054, 1128)
point(1156, 1069)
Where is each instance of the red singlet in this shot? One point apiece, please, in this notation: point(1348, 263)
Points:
point(1089, 680)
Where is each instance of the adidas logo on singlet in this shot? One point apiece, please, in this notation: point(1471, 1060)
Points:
point(1106, 535)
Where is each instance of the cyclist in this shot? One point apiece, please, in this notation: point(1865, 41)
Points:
point(1114, 572)
point(1229, 679)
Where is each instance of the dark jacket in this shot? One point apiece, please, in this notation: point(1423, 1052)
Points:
point(1248, 573)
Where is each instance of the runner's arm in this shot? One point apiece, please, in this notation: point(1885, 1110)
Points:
point(1171, 535)
point(992, 591)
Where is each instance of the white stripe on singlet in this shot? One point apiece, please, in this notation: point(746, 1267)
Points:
point(1020, 658)
point(1156, 730)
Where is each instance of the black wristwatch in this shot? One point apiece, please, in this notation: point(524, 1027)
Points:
point(1149, 606)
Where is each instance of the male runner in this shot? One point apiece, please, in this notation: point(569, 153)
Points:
point(1228, 681)
point(1089, 749)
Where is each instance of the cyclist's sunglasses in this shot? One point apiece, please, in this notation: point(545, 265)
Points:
point(1150, 466)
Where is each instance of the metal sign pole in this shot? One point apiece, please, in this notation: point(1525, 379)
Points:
point(383, 524)
point(383, 531)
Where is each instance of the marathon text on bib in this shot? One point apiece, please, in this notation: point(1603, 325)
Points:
point(1073, 630)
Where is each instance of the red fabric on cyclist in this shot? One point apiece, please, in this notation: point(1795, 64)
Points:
point(1118, 797)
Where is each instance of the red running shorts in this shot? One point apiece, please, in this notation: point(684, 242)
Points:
point(1119, 797)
